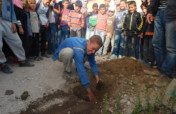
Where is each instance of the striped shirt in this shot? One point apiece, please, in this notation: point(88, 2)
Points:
point(102, 22)
point(163, 4)
point(64, 18)
point(76, 20)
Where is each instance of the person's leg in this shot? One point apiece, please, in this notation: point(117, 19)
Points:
point(151, 51)
point(133, 46)
point(53, 36)
point(79, 32)
point(116, 43)
point(66, 56)
point(121, 44)
point(44, 36)
point(145, 49)
point(112, 43)
point(126, 47)
point(159, 37)
point(137, 47)
point(102, 35)
point(65, 32)
point(2, 56)
point(170, 59)
point(106, 44)
point(72, 33)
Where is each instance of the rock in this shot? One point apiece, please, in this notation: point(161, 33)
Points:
point(167, 95)
point(153, 73)
point(25, 95)
point(123, 101)
point(9, 92)
point(128, 103)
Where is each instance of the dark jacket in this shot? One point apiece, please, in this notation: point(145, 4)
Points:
point(171, 9)
point(153, 7)
point(147, 29)
point(132, 22)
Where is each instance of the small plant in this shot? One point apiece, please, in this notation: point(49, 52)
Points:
point(118, 104)
point(150, 107)
point(105, 100)
point(138, 107)
point(173, 98)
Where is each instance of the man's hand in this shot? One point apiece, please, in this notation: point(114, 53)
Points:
point(21, 31)
point(47, 25)
point(150, 18)
point(135, 33)
point(141, 35)
point(14, 30)
point(40, 22)
point(110, 36)
point(97, 78)
point(92, 28)
point(124, 33)
point(91, 96)
point(58, 26)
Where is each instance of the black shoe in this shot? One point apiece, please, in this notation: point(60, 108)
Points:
point(45, 55)
point(6, 69)
point(39, 58)
point(26, 64)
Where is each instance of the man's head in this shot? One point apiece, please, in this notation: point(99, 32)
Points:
point(132, 6)
point(65, 3)
point(111, 11)
point(46, 2)
point(78, 5)
point(95, 7)
point(144, 8)
point(107, 2)
point(94, 44)
point(122, 5)
point(102, 9)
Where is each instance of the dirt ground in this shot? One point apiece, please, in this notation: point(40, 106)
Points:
point(121, 78)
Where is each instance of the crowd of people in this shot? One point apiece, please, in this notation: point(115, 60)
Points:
point(147, 36)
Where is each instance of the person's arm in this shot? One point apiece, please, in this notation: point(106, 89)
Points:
point(124, 26)
point(69, 19)
point(152, 10)
point(139, 23)
point(79, 61)
point(82, 21)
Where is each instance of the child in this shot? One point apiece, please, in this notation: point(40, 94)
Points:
point(101, 26)
point(76, 20)
point(147, 33)
point(42, 9)
point(132, 25)
point(110, 31)
point(91, 21)
point(119, 37)
point(64, 21)
point(34, 21)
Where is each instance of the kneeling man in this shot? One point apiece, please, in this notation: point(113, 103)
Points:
point(78, 48)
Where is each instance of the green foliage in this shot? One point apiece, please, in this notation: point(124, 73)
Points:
point(105, 100)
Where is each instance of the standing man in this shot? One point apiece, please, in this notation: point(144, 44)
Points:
point(8, 32)
point(78, 48)
point(164, 40)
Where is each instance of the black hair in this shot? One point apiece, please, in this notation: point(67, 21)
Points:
point(96, 39)
point(132, 2)
point(144, 5)
point(94, 5)
point(102, 6)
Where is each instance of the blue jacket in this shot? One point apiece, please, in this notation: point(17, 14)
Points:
point(79, 47)
point(8, 12)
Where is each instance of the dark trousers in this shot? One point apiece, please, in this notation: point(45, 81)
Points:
point(35, 44)
point(148, 50)
point(130, 46)
point(75, 33)
point(44, 38)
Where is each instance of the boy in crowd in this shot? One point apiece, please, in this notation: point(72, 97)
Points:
point(77, 48)
point(119, 37)
point(147, 35)
point(91, 21)
point(101, 26)
point(76, 20)
point(132, 25)
point(54, 14)
point(110, 31)
point(8, 32)
point(34, 21)
point(42, 9)
point(64, 30)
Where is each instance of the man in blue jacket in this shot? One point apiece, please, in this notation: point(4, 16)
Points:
point(78, 48)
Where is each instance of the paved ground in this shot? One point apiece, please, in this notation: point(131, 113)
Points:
point(43, 78)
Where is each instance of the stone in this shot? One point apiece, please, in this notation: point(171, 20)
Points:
point(9, 92)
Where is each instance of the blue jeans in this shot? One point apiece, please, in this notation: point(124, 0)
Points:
point(170, 58)
point(62, 33)
point(118, 43)
point(101, 33)
point(137, 47)
point(51, 37)
point(159, 37)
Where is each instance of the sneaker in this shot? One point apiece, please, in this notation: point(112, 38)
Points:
point(45, 55)
point(26, 64)
point(120, 56)
point(113, 56)
point(39, 58)
point(6, 69)
point(142, 61)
